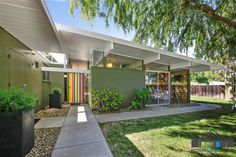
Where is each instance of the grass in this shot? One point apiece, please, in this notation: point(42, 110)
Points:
point(170, 135)
point(210, 100)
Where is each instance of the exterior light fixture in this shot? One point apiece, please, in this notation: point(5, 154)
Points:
point(109, 65)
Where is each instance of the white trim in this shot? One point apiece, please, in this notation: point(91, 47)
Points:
point(52, 69)
point(184, 64)
point(56, 32)
point(200, 68)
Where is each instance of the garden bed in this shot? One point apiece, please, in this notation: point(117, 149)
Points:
point(121, 110)
point(44, 141)
point(53, 112)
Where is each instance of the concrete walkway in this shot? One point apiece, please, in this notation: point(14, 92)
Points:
point(154, 111)
point(81, 136)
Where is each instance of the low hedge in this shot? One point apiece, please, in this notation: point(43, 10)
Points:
point(104, 100)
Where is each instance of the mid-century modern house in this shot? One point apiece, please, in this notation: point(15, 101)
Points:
point(91, 60)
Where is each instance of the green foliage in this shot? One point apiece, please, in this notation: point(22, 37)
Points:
point(140, 99)
point(12, 100)
point(208, 26)
point(135, 105)
point(56, 90)
point(104, 100)
point(206, 77)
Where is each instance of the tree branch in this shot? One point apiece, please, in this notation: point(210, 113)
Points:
point(210, 12)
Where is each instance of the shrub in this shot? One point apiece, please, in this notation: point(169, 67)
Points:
point(140, 99)
point(104, 100)
point(134, 105)
point(12, 100)
point(56, 90)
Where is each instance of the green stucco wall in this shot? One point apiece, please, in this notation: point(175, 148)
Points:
point(125, 80)
point(17, 70)
point(57, 80)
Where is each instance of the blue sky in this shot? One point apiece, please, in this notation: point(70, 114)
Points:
point(59, 10)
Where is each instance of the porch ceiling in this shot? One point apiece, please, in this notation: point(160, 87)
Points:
point(29, 22)
point(81, 43)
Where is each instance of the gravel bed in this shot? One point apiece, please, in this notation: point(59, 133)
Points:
point(53, 112)
point(44, 141)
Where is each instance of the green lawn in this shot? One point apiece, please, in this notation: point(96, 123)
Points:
point(210, 100)
point(170, 135)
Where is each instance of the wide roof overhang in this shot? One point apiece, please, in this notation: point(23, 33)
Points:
point(29, 21)
point(81, 43)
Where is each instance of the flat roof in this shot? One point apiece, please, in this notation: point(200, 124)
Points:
point(81, 43)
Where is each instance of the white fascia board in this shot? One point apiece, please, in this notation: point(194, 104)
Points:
point(200, 68)
point(217, 67)
point(57, 33)
point(151, 58)
point(65, 70)
point(184, 64)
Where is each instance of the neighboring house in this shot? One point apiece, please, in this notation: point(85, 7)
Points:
point(91, 60)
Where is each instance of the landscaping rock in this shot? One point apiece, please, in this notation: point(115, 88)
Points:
point(44, 141)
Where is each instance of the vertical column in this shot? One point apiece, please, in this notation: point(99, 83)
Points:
point(169, 84)
point(104, 62)
point(143, 65)
point(188, 87)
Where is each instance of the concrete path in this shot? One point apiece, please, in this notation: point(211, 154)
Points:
point(81, 136)
point(50, 122)
point(155, 111)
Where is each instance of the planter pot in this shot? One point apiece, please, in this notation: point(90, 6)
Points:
point(16, 133)
point(54, 101)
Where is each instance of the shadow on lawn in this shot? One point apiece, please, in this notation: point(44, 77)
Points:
point(115, 132)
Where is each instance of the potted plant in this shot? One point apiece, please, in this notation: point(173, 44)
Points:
point(16, 122)
point(55, 98)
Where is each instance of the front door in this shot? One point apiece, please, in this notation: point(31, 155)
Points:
point(76, 87)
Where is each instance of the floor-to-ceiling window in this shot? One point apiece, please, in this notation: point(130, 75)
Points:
point(158, 84)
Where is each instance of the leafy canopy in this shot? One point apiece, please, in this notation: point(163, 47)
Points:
point(207, 25)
